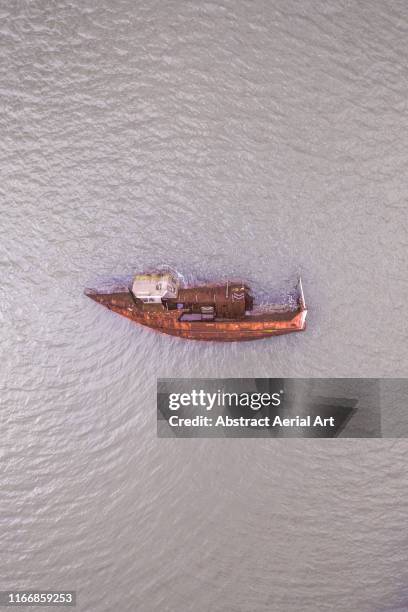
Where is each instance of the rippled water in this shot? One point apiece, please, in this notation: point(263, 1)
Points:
point(257, 139)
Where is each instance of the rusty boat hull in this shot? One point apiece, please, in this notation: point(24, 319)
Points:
point(251, 326)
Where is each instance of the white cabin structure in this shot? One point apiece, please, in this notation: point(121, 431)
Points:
point(154, 288)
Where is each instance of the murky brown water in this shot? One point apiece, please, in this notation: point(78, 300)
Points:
point(259, 139)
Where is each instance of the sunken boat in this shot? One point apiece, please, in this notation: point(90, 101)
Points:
point(221, 312)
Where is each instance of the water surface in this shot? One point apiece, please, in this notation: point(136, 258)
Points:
point(253, 139)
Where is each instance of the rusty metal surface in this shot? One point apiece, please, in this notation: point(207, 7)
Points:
point(251, 327)
point(230, 300)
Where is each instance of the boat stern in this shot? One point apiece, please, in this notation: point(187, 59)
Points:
point(302, 305)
